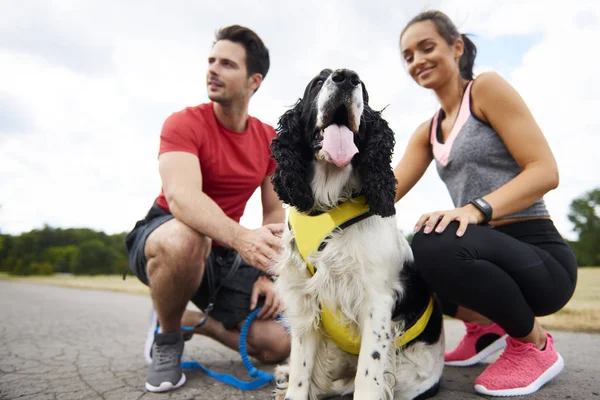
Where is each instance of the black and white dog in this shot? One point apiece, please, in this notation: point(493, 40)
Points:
point(349, 288)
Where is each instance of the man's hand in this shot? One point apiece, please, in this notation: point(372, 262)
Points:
point(264, 287)
point(260, 247)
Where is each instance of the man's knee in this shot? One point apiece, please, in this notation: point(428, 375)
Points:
point(276, 353)
point(267, 356)
point(270, 342)
point(177, 246)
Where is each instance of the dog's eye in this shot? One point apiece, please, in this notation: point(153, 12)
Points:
point(320, 82)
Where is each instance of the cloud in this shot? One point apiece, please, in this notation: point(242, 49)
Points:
point(563, 96)
point(87, 86)
point(55, 33)
point(14, 118)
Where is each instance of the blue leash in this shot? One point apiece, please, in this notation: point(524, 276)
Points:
point(261, 378)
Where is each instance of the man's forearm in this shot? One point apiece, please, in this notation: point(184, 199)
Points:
point(201, 213)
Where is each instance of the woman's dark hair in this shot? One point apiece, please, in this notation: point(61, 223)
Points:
point(257, 54)
point(448, 31)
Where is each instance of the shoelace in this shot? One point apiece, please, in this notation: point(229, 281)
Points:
point(165, 354)
point(515, 350)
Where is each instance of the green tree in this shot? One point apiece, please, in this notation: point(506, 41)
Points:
point(20, 268)
point(584, 213)
point(93, 258)
point(60, 257)
point(41, 268)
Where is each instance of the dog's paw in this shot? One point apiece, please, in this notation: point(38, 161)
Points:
point(282, 377)
point(278, 394)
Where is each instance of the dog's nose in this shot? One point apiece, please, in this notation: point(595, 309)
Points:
point(346, 78)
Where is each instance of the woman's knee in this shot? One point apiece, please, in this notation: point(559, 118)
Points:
point(433, 247)
point(439, 256)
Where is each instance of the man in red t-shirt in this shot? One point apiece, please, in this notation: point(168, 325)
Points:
point(190, 246)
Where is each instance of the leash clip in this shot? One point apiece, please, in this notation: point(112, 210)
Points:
point(207, 311)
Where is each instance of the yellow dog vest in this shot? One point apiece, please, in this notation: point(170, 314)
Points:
point(309, 233)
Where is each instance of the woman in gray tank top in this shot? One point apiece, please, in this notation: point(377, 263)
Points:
point(496, 261)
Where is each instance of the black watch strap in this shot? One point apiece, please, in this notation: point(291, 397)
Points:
point(484, 207)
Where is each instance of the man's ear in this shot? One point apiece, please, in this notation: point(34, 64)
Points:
point(254, 81)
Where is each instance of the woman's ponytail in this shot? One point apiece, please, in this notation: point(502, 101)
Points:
point(467, 60)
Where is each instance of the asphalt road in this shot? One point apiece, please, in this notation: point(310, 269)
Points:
point(63, 344)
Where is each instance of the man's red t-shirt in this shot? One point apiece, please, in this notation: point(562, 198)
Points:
point(233, 164)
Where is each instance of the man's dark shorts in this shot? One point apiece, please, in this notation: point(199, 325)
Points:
point(232, 302)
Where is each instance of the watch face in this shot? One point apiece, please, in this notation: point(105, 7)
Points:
point(480, 202)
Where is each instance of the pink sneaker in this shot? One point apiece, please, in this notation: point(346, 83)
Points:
point(522, 369)
point(479, 343)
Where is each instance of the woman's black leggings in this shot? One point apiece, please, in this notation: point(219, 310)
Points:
point(509, 274)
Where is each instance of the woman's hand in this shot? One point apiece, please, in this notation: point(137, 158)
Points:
point(466, 215)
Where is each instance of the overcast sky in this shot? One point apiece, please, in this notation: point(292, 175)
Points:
point(86, 85)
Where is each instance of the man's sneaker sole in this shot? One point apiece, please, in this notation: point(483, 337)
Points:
point(497, 345)
point(547, 376)
point(152, 325)
point(165, 386)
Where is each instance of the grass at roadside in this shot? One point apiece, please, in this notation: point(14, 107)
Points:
point(581, 314)
point(113, 283)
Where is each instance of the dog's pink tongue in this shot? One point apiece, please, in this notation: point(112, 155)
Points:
point(338, 142)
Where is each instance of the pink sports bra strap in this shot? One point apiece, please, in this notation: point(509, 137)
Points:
point(441, 151)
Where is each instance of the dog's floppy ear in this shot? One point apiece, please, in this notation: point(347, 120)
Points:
point(376, 144)
point(293, 155)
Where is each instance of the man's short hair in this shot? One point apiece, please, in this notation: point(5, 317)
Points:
point(257, 55)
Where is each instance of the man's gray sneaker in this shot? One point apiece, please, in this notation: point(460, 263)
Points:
point(165, 372)
point(153, 328)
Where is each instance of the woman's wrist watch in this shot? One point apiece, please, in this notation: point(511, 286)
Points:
point(484, 207)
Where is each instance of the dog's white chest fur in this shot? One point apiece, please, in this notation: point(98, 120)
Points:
point(347, 270)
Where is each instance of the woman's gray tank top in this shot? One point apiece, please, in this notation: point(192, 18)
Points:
point(474, 161)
